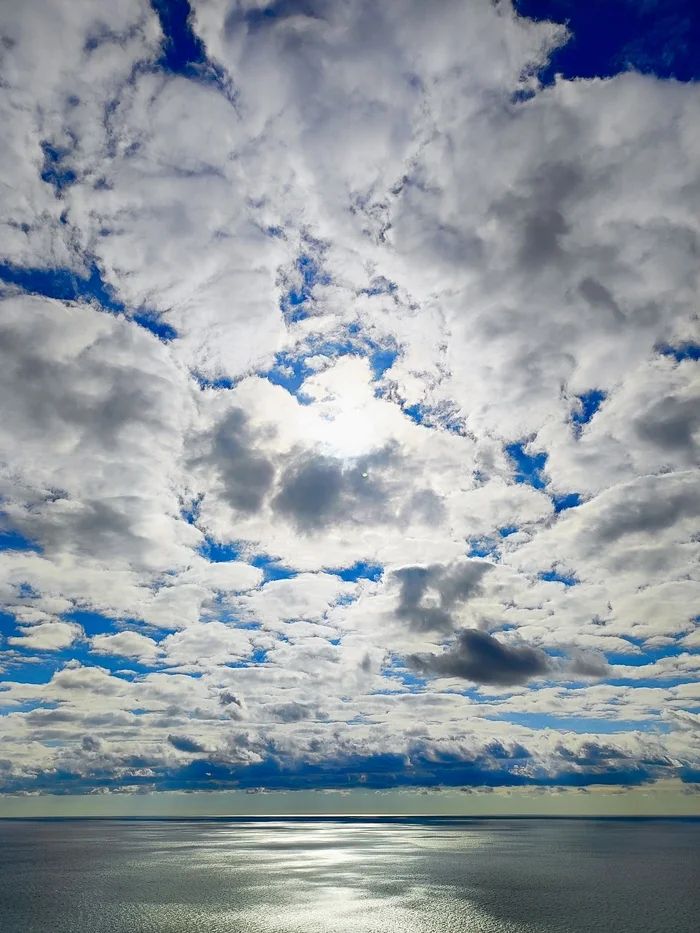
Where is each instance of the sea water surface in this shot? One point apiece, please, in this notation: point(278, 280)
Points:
point(471, 876)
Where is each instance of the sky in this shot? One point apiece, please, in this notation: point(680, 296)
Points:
point(350, 406)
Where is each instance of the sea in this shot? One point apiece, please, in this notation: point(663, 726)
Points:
point(349, 876)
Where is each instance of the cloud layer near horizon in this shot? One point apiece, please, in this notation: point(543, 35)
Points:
point(350, 411)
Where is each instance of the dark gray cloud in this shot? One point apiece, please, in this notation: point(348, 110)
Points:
point(588, 664)
point(185, 744)
point(428, 596)
point(671, 424)
point(481, 658)
point(44, 717)
point(652, 505)
point(91, 743)
point(246, 475)
point(77, 396)
point(537, 215)
point(317, 491)
point(90, 528)
point(44, 394)
point(592, 753)
point(599, 296)
point(226, 698)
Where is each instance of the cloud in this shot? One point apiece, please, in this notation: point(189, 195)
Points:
point(125, 645)
point(589, 664)
point(317, 491)
point(671, 423)
point(450, 585)
point(185, 744)
point(481, 658)
point(650, 505)
point(46, 636)
point(226, 698)
point(246, 476)
point(292, 712)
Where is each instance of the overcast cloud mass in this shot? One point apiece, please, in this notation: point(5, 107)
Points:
point(349, 398)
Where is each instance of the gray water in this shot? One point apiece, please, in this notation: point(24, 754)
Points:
point(490, 876)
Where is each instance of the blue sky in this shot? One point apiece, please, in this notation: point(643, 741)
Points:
point(350, 396)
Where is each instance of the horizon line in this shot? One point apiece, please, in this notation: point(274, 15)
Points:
point(354, 817)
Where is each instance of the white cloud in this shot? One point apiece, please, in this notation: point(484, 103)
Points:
point(46, 636)
point(125, 645)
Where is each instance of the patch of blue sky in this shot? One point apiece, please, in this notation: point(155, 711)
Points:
point(568, 501)
point(7, 623)
point(684, 351)
point(291, 367)
point(66, 285)
point(289, 371)
point(396, 671)
point(381, 360)
point(294, 304)
point(436, 416)
point(94, 623)
point(553, 576)
point(648, 654)
point(528, 467)
point(220, 382)
point(483, 547)
point(190, 511)
point(29, 668)
point(61, 284)
point(659, 37)
point(183, 52)
point(219, 553)
point(346, 600)
point(257, 658)
point(634, 641)
point(27, 707)
point(273, 568)
point(577, 724)
point(15, 541)
point(362, 570)
point(508, 530)
point(657, 683)
point(589, 403)
point(54, 172)
point(151, 320)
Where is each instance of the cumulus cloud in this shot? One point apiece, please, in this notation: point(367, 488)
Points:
point(589, 664)
point(246, 475)
point(450, 586)
point(316, 491)
point(46, 636)
point(125, 645)
point(185, 744)
point(483, 659)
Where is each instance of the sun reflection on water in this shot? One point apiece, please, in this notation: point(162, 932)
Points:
point(334, 878)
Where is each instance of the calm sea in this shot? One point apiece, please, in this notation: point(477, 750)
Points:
point(490, 876)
